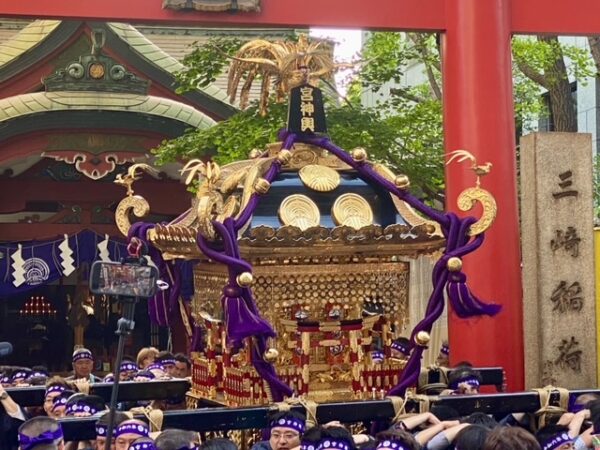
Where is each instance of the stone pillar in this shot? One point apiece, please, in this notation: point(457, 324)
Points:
point(558, 260)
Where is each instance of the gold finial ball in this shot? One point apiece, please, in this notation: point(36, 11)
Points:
point(262, 186)
point(271, 355)
point(429, 228)
point(422, 338)
point(359, 154)
point(454, 264)
point(254, 153)
point(284, 156)
point(402, 182)
point(244, 279)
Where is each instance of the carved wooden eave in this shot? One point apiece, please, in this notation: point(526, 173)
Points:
point(213, 5)
point(374, 241)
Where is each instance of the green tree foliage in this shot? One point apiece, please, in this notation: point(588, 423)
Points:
point(403, 125)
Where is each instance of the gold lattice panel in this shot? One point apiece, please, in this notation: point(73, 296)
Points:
point(315, 290)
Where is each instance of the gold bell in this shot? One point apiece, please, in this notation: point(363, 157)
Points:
point(402, 182)
point(284, 156)
point(454, 264)
point(262, 186)
point(271, 355)
point(254, 153)
point(244, 279)
point(422, 338)
point(359, 154)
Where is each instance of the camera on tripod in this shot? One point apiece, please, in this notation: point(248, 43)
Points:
point(127, 279)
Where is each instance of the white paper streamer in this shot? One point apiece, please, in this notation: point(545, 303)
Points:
point(103, 250)
point(17, 265)
point(66, 255)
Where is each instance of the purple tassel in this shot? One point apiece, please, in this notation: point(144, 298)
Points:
point(466, 304)
point(279, 390)
point(241, 322)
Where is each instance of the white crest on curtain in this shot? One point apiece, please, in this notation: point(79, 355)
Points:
point(66, 255)
point(103, 250)
point(17, 265)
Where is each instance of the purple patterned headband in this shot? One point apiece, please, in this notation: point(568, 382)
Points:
point(155, 366)
point(445, 350)
point(5, 379)
point(145, 374)
point(85, 354)
point(47, 437)
point(132, 428)
point(392, 445)
point(340, 445)
point(80, 408)
point(308, 447)
point(167, 361)
point(101, 430)
point(109, 378)
point(403, 348)
point(58, 402)
point(289, 422)
point(38, 373)
point(377, 356)
point(19, 375)
point(142, 446)
point(557, 441)
point(55, 388)
point(471, 381)
point(128, 367)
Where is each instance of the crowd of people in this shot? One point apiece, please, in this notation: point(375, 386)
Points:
point(441, 428)
point(435, 430)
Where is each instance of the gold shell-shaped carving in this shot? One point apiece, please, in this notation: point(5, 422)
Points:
point(300, 211)
point(319, 178)
point(466, 201)
point(135, 203)
point(352, 210)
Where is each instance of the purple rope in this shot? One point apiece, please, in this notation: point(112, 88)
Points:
point(457, 244)
point(240, 301)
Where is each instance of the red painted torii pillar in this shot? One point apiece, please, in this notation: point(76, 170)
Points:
point(478, 113)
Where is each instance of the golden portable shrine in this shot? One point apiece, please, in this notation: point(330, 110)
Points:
point(302, 263)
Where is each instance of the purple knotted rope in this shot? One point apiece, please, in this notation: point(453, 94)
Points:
point(458, 244)
point(242, 318)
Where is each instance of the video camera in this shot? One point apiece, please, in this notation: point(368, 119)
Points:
point(123, 279)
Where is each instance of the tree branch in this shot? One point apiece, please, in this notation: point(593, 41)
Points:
point(533, 75)
point(401, 92)
point(594, 42)
point(426, 58)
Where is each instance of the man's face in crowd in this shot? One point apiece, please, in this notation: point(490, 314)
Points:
point(100, 443)
point(284, 438)
point(468, 389)
point(48, 403)
point(125, 440)
point(169, 369)
point(59, 412)
point(83, 368)
point(181, 370)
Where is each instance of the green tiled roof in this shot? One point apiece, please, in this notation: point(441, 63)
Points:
point(30, 36)
point(142, 45)
point(38, 102)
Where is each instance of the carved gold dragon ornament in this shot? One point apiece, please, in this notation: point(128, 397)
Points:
point(469, 197)
point(132, 203)
point(216, 195)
